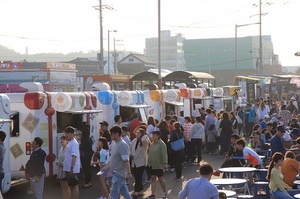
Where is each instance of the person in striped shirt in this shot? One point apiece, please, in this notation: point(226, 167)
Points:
point(200, 186)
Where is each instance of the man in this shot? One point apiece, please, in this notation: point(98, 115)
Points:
point(119, 164)
point(209, 119)
point(72, 163)
point(118, 120)
point(2, 153)
point(200, 187)
point(35, 168)
point(249, 118)
point(277, 141)
point(104, 131)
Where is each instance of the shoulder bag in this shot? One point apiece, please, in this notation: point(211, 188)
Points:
point(178, 144)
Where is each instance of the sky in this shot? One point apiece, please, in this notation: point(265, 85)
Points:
point(64, 26)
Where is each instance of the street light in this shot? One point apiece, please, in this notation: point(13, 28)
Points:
point(235, 43)
point(108, 59)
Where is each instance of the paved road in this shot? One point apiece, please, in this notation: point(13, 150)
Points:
point(53, 191)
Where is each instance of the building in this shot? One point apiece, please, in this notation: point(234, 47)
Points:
point(52, 75)
point(172, 54)
point(217, 56)
point(135, 63)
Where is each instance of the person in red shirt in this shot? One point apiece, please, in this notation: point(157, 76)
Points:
point(133, 124)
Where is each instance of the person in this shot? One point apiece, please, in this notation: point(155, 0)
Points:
point(257, 143)
point(277, 141)
point(290, 168)
point(86, 153)
point(226, 132)
point(71, 163)
point(125, 134)
point(234, 122)
point(2, 154)
point(187, 128)
point(103, 158)
point(195, 137)
point(133, 124)
point(157, 160)
point(200, 187)
point(275, 177)
point(118, 120)
point(61, 175)
point(139, 154)
point(239, 114)
point(269, 131)
point(262, 110)
point(119, 165)
point(151, 125)
point(104, 131)
point(211, 138)
point(164, 131)
point(177, 155)
point(35, 167)
point(264, 122)
point(296, 149)
point(285, 114)
point(249, 118)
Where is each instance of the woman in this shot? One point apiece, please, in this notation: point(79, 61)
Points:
point(103, 160)
point(187, 128)
point(195, 137)
point(164, 130)
point(234, 122)
point(157, 160)
point(257, 143)
point(138, 150)
point(177, 155)
point(226, 132)
point(151, 126)
point(290, 168)
point(262, 111)
point(86, 153)
point(61, 175)
point(275, 177)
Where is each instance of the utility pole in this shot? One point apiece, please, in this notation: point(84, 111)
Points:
point(159, 50)
point(261, 69)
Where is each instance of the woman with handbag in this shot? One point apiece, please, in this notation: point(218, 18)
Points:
point(177, 134)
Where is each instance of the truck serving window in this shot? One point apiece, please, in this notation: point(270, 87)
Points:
point(14, 125)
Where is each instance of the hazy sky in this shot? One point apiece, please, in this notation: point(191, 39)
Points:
point(73, 25)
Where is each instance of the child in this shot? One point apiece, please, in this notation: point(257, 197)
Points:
point(211, 138)
point(103, 160)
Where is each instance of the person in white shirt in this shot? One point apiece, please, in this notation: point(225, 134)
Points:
point(71, 163)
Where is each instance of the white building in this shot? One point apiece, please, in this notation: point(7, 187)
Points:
point(172, 54)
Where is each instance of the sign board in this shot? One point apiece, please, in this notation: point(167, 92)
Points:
point(11, 65)
point(63, 66)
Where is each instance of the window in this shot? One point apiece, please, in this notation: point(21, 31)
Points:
point(14, 125)
point(131, 60)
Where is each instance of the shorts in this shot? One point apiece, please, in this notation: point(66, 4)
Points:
point(156, 172)
point(72, 179)
point(105, 173)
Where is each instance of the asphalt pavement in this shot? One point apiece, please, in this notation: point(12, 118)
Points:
point(53, 190)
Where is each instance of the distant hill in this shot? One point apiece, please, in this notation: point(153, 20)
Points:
point(7, 54)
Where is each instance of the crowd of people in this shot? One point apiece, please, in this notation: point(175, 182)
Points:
point(146, 150)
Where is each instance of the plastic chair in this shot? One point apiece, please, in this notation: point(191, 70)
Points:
point(261, 190)
point(262, 174)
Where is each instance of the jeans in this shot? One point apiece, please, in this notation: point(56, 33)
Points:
point(281, 195)
point(119, 187)
point(38, 187)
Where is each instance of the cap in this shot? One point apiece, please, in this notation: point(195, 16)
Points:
point(104, 123)
point(280, 128)
point(267, 116)
point(293, 98)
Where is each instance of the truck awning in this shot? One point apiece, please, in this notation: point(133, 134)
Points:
point(138, 106)
point(84, 112)
point(176, 103)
